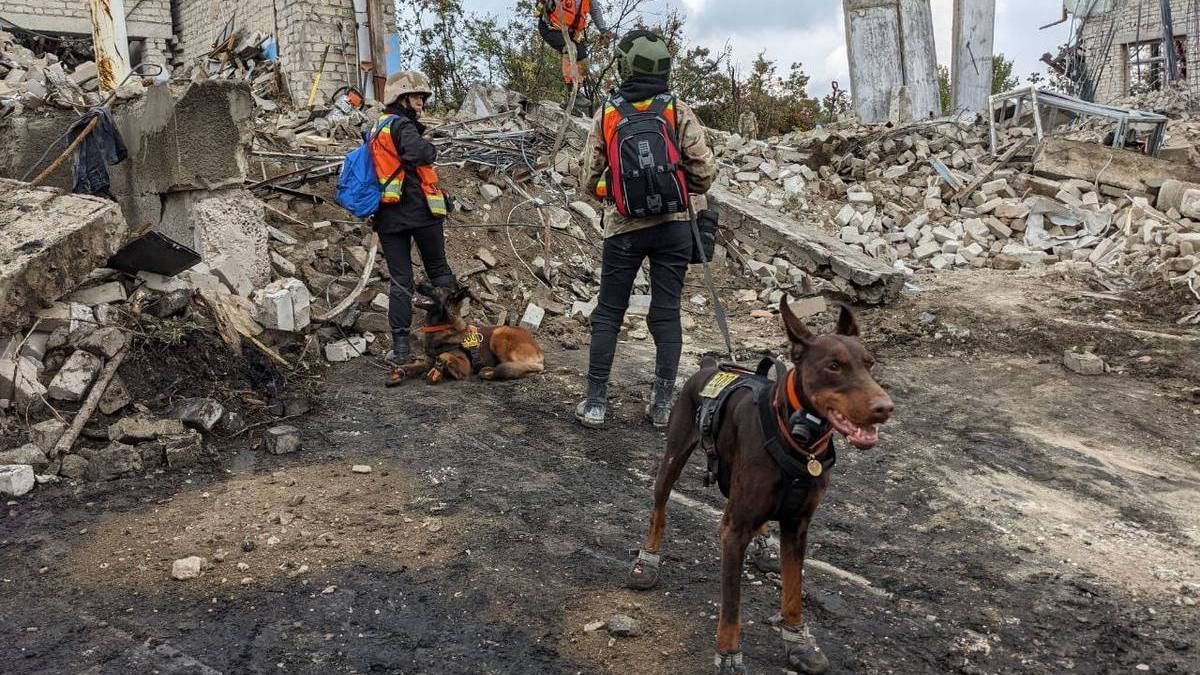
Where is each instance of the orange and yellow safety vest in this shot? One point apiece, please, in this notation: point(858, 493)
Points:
point(387, 165)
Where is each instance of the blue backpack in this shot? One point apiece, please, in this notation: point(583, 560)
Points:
point(358, 188)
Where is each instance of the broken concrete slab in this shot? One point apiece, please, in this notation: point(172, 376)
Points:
point(105, 342)
point(134, 429)
point(29, 454)
point(346, 349)
point(16, 479)
point(115, 397)
point(1062, 159)
point(532, 319)
point(104, 294)
point(75, 377)
point(871, 281)
point(1084, 363)
point(182, 450)
point(45, 435)
point(48, 245)
point(74, 467)
point(19, 380)
point(227, 227)
point(113, 461)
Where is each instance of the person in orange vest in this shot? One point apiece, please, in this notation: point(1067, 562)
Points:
point(552, 15)
point(413, 207)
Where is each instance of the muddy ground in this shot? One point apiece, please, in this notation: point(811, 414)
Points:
point(1017, 518)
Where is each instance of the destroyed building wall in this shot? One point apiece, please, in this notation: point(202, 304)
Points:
point(1134, 58)
point(893, 62)
point(302, 28)
point(148, 21)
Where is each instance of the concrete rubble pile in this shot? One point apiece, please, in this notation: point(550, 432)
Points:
point(931, 196)
point(28, 81)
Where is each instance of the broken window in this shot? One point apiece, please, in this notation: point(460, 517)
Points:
point(1147, 65)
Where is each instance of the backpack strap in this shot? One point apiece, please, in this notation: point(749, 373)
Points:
point(624, 107)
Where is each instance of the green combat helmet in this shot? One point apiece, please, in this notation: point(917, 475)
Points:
point(642, 52)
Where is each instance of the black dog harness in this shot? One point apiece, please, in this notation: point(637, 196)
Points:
point(798, 441)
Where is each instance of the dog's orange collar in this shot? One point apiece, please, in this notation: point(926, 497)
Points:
point(440, 328)
point(791, 385)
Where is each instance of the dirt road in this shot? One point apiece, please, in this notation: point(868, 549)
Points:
point(1016, 519)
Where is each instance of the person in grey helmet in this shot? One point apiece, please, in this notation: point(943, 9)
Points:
point(644, 63)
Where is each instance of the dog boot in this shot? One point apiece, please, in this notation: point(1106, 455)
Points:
point(591, 410)
point(803, 654)
point(659, 410)
point(730, 664)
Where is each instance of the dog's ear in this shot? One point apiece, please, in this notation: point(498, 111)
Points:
point(425, 289)
point(847, 324)
point(797, 332)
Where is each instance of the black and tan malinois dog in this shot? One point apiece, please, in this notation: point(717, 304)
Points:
point(454, 349)
point(771, 450)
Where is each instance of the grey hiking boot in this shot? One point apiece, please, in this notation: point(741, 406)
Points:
point(803, 654)
point(401, 353)
point(659, 410)
point(591, 410)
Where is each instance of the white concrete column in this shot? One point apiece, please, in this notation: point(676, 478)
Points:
point(890, 44)
point(110, 42)
point(971, 69)
point(920, 58)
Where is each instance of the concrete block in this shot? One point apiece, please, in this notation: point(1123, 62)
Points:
point(104, 342)
point(45, 434)
point(485, 256)
point(282, 439)
point(532, 319)
point(16, 479)
point(29, 454)
point(380, 302)
point(51, 242)
point(860, 197)
point(639, 305)
point(198, 413)
point(1084, 363)
point(182, 450)
point(346, 349)
point(74, 467)
point(583, 309)
point(171, 304)
point(161, 284)
point(233, 276)
point(228, 228)
point(115, 397)
point(941, 261)
point(75, 377)
point(104, 294)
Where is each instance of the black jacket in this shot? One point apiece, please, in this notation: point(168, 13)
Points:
point(413, 211)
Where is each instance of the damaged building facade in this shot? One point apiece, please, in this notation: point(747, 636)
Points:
point(344, 40)
point(1122, 45)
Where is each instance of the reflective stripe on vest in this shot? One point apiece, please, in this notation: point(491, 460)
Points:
point(570, 13)
point(387, 162)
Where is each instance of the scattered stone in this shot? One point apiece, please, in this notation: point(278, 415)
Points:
point(113, 461)
point(532, 319)
point(622, 625)
point(75, 377)
point(198, 413)
point(186, 568)
point(182, 450)
point(594, 626)
point(346, 349)
point(1084, 363)
point(19, 380)
point(29, 454)
point(141, 428)
point(361, 468)
point(74, 467)
point(639, 305)
point(485, 256)
point(105, 342)
point(380, 302)
point(113, 291)
point(283, 439)
point(45, 434)
point(490, 192)
point(16, 479)
point(115, 397)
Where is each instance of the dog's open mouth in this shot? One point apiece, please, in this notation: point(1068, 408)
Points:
point(862, 437)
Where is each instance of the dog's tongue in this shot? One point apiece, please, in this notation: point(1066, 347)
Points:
point(862, 438)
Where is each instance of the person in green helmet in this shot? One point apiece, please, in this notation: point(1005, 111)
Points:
point(663, 237)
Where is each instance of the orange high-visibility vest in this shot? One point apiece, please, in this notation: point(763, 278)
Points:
point(387, 164)
point(570, 13)
point(612, 117)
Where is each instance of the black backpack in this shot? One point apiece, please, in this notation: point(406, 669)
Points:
point(644, 160)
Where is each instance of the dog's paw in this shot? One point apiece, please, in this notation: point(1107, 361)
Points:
point(487, 373)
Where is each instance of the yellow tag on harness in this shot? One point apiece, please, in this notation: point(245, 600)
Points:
point(717, 384)
point(472, 340)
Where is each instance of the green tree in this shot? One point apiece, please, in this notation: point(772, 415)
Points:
point(1002, 80)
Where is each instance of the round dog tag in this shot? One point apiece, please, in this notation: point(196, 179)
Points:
point(815, 468)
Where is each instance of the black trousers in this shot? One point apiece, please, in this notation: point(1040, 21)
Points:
point(554, 38)
point(397, 251)
point(669, 248)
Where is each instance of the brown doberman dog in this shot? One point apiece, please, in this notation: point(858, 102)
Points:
point(455, 349)
point(772, 443)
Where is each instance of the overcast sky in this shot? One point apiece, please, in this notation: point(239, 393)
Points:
point(811, 31)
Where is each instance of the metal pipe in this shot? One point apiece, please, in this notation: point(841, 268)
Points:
point(110, 41)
